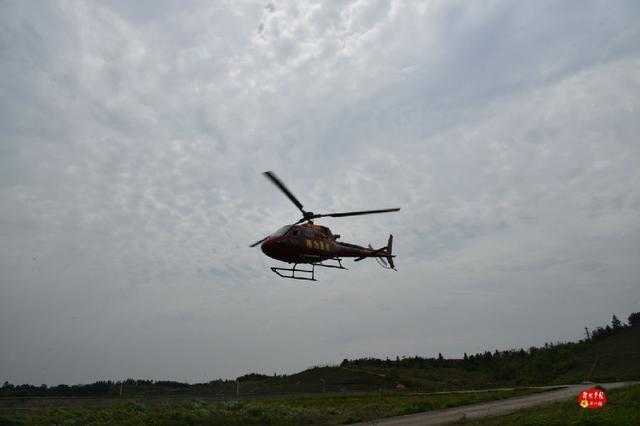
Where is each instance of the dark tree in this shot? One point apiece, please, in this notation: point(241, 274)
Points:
point(634, 319)
point(615, 323)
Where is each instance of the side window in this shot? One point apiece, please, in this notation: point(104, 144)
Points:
point(295, 236)
point(309, 233)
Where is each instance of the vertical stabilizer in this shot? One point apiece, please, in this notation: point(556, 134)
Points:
point(389, 253)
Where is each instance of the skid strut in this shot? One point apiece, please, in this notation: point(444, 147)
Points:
point(306, 274)
point(337, 265)
point(302, 273)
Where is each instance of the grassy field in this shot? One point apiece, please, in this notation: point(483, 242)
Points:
point(622, 408)
point(295, 411)
point(435, 379)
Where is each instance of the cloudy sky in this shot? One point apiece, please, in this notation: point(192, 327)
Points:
point(133, 135)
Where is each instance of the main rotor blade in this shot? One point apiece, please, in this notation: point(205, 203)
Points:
point(277, 182)
point(259, 242)
point(356, 213)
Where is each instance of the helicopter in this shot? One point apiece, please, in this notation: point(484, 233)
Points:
point(304, 242)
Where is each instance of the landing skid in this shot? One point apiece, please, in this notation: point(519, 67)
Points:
point(306, 274)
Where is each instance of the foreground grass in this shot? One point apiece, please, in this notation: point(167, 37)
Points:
point(622, 408)
point(298, 411)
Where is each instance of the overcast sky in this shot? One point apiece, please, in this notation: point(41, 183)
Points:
point(133, 135)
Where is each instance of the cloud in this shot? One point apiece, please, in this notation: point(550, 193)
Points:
point(134, 136)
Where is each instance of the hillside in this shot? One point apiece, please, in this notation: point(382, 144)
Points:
point(614, 358)
point(610, 355)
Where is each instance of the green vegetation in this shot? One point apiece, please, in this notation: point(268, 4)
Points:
point(295, 411)
point(622, 408)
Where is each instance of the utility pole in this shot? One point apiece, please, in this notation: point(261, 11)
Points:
point(586, 332)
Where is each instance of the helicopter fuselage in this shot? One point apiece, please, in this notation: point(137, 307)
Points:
point(309, 243)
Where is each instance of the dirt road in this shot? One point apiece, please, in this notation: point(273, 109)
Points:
point(489, 409)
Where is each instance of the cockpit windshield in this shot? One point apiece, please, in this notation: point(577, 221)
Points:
point(280, 232)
